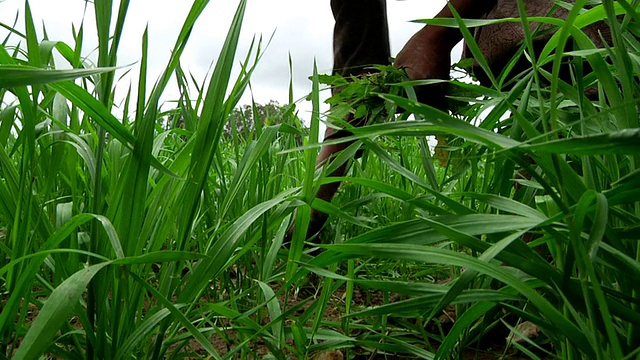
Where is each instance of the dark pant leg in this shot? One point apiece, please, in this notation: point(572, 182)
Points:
point(361, 35)
point(360, 39)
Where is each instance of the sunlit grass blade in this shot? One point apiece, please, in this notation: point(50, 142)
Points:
point(254, 152)
point(274, 310)
point(142, 332)
point(210, 127)
point(13, 75)
point(94, 108)
point(436, 121)
point(55, 312)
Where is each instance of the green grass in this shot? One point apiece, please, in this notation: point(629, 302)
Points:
point(159, 233)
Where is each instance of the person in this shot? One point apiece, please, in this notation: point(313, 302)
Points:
point(361, 39)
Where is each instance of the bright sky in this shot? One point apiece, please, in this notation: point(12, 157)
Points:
point(302, 28)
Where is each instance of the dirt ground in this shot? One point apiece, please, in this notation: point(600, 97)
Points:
point(492, 350)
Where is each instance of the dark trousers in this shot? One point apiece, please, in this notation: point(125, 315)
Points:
point(361, 35)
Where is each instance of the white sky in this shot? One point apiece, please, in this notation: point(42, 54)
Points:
point(302, 28)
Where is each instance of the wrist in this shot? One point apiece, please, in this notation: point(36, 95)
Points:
point(439, 37)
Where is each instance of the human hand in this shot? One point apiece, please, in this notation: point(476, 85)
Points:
point(427, 56)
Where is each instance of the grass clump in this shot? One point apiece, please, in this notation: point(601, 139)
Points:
point(160, 234)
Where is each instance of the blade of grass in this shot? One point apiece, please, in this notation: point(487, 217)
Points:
point(55, 312)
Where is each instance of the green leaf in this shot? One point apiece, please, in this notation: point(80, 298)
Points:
point(274, 310)
point(441, 256)
point(622, 142)
point(140, 336)
point(54, 313)
point(14, 75)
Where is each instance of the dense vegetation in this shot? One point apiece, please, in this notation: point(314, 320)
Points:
point(159, 233)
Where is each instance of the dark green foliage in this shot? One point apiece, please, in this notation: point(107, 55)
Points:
point(159, 234)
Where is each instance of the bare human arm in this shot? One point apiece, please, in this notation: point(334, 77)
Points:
point(427, 54)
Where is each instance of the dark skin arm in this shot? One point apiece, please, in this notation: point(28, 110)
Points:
point(427, 55)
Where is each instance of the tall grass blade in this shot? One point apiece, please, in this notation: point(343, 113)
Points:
point(55, 312)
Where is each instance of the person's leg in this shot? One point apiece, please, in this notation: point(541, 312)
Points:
point(360, 36)
point(360, 39)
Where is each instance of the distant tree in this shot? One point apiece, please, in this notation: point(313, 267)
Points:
point(244, 117)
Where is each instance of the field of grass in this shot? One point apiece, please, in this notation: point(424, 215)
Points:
point(159, 233)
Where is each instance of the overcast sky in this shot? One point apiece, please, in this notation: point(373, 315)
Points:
point(302, 28)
